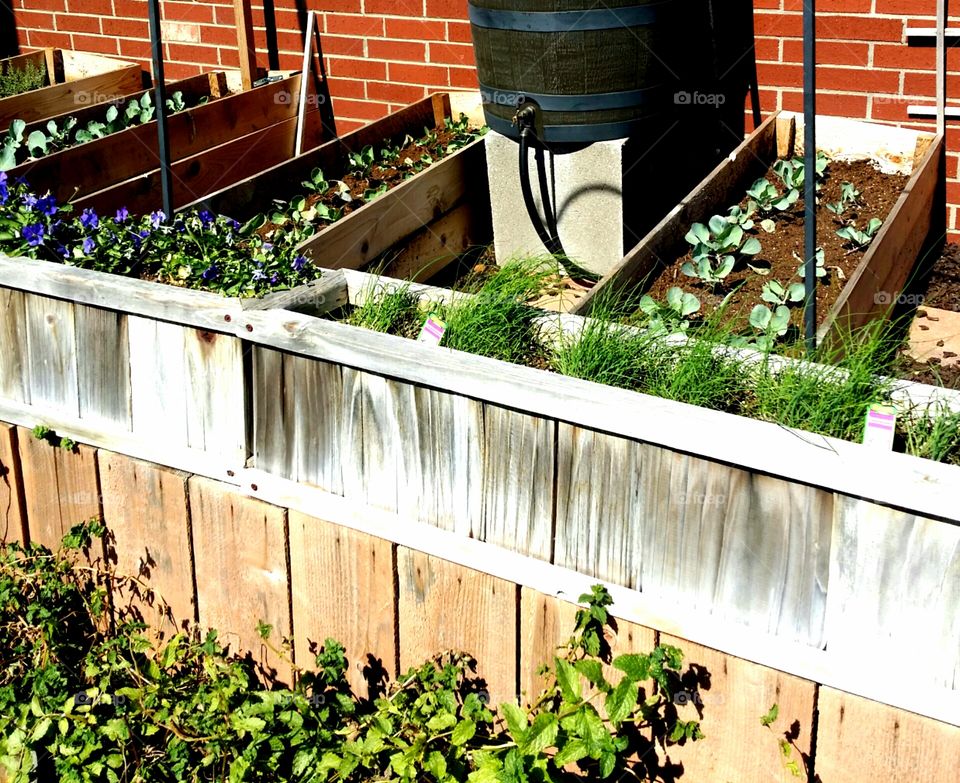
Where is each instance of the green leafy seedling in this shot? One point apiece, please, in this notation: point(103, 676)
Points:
point(672, 316)
point(768, 198)
point(316, 183)
point(770, 323)
point(776, 293)
point(715, 249)
point(860, 239)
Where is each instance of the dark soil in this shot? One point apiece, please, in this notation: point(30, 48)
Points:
point(943, 286)
point(390, 175)
point(782, 251)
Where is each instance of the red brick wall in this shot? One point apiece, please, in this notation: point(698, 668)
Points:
point(385, 53)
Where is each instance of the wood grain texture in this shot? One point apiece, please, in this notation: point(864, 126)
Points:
point(745, 547)
point(51, 354)
point(202, 309)
point(240, 544)
point(894, 585)
point(13, 518)
point(199, 174)
point(216, 393)
point(342, 587)
point(78, 171)
point(861, 740)
point(377, 226)
point(13, 338)
point(518, 475)
point(443, 606)
point(729, 695)
point(146, 509)
point(60, 487)
point(103, 366)
point(600, 509)
point(159, 390)
point(55, 99)
point(547, 622)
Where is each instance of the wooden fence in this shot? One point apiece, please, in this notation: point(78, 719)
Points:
point(223, 558)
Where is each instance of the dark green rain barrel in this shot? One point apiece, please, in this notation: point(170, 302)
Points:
point(596, 71)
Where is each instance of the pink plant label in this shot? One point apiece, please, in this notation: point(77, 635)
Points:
point(432, 331)
point(880, 426)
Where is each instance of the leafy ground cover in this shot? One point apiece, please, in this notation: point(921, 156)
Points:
point(829, 398)
point(14, 81)
point(87, 696)
point(17, 148)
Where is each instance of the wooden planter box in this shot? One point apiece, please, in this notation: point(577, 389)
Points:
point(77, 79)
point(211, 146)
point(835, 557)
point(887, 264)
point(402, 212)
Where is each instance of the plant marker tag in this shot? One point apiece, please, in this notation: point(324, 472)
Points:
point(432, 331)
point(879, 427)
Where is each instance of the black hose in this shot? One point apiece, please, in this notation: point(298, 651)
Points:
point(548, 233)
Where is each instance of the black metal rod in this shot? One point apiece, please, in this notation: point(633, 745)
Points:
point(160, 103)
point(810, 173)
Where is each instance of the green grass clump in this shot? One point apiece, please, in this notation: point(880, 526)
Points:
point(497, 322)
point(934, 435)
point(14, 81)
point(391, 312)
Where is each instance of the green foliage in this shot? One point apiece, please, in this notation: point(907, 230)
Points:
point(849, 196)
point(56, 137)
point(389, 311)
point(786, 743)
point(86, 696)
point(860, 239)
point(361, 163)
point(43, 432)
point(933, 434)
point(768, 199)
point(715, 249)
point(673, 315)
point(14, 81)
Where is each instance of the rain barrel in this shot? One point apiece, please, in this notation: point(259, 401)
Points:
point(596, 71)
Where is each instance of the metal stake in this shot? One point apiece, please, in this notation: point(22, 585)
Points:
point(810, 174)
point(160, 103)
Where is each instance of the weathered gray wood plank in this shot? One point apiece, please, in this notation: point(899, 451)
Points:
point(518, 467)
point(103, 363)
point(214, 378)
point(745, 547)
point(600, 514)
point(895, 585)
point(159, 390)
point(13, 346)
point(268, 412)
point(52, 354)
point(319, 423)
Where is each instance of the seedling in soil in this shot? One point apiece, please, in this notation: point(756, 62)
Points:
point(671, 317)
point(316, 183)
point(373, 193)
point(776, 293)
point(768, 199)
point(772, 324)
point(849, 196)
point(11, 143)
point(821, 270)
point(361, 163)
point(715, 249)
point(860, 239)
point(743, 217)
point(792, 172)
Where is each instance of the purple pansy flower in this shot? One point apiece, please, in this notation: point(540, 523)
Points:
point(211, 272)
point(33, 234)
point(298, 263)
point(156, 218)
point(88, 245)
point(122, 215)
point(30, 200)
point(4, 192)
point(89, 219)
point(259, 275)
point(206, 217)
point(47, 205)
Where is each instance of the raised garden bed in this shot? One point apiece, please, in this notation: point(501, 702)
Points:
point(212, 146)
point(799, 540)
point(857, 293)
point(73, 80)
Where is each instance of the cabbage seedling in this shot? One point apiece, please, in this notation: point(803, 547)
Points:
point(743, 217)
point(715, 249)
point(771, 323)
point(849, 195)
point(768, 198)
point(860, 239)
point(777, 293)
point(670, 317)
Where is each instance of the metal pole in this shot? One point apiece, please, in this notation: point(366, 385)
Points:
point(160, 103)
point(810, 173)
